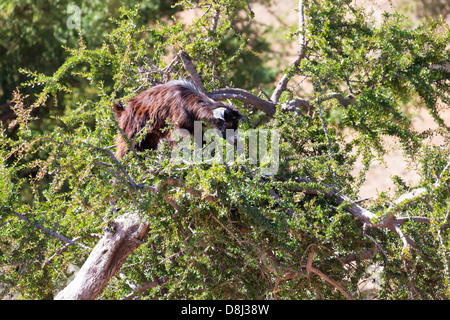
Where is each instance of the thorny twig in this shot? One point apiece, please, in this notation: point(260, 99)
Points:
point(310, 269)
point(51, 233)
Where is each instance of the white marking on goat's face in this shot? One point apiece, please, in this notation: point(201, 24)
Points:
point(219, 113)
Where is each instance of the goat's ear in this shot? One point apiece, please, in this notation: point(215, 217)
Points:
point(243, 119)
point(219, 113)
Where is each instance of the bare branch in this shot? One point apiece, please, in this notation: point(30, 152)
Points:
point(368, 218)
point(252, 14)
point(407, 197)
point(113, 157)
point(292, 105)
point(282, 84)
point(377, 245)
point(337, 199)
point(403, 220)
point(59, 251)
point(331, 281)
point(106, 258)
point(215, 20)
point(175, 205)
point(407, 242)
point(180, 184)
point(316, 271)
point(146, 287)
point(51, 233)
point(221, 224)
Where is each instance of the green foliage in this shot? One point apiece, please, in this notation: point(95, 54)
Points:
point(234, 233)
point(382, 67)
point(32, 29)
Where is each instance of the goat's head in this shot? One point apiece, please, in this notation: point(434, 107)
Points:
point(227, 118)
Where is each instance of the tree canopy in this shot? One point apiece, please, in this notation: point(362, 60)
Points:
point(228, 230)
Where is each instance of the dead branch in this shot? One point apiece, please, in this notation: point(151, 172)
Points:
point(269, 107)
point(123, 237)
point(215, 20)
point(368, 218)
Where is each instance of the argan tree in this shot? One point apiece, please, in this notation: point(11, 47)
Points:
point(146, 226)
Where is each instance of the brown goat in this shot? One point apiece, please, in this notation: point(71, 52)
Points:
point(178, 102)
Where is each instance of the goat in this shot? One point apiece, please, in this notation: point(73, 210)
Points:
point(178, 102)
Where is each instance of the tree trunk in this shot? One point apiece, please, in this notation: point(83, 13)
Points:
point(122, 237)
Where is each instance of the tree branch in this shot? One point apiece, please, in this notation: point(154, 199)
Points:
point(59, 251)
point(282, 84)
point(221, 224)
point(269, 107)
point(316, 271)
point(123, 237)
point(292, 105)
point(146, 287)
point(215, 20)
point(368, 218)
point(180, 184)
point(337, 199)
point(363, 255)
point(51, 233)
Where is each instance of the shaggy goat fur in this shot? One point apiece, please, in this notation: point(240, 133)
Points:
point(178, 102)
